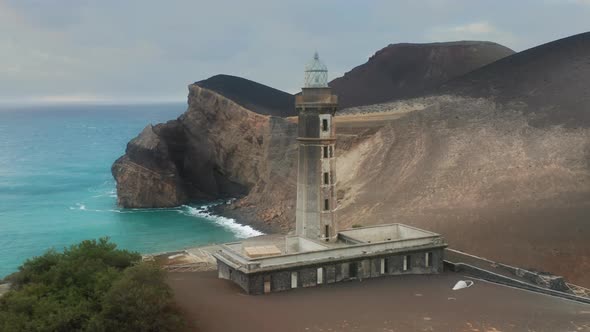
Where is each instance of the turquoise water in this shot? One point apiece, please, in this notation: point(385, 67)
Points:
point(56, 187)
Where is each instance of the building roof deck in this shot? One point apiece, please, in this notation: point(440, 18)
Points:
point(384, 233)
point(353, 243)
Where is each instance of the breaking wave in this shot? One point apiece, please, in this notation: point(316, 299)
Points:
point(79, 206)
point(111, 193)
point(239, 230)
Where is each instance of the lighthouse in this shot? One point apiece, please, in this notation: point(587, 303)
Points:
point(316, 173)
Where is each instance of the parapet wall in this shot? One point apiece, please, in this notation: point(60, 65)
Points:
point(502, 278)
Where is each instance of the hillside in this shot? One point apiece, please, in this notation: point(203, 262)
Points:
point(407, 70)
point(254, 96)
point(499, 174)
point(550, 80)
point(500, 163)
point(483, 171)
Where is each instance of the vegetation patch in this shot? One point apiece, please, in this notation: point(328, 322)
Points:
point(91, 286)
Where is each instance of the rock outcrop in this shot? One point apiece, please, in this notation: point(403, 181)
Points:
point(216, 149)
point(149, 174)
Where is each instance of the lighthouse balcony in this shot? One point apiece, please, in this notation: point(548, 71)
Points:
point(319, 96)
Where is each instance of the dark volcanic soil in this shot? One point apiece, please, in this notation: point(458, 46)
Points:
point(407, 70)
point(551, 80)
point(254, 96)
point(402, 303)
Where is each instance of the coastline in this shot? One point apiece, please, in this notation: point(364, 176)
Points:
point(246, 215)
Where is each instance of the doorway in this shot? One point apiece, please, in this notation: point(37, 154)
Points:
point(353, 270)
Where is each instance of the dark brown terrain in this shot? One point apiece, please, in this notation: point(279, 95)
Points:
point(500, 174)
point(401, 71)
point(400, 304)
point(251, 95)
point(550, 80)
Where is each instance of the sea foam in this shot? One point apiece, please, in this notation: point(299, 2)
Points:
point(239, 230)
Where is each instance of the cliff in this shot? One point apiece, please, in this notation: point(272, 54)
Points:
point(216, 149)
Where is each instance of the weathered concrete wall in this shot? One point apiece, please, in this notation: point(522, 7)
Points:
point(241, 279)
point(316, 171)
point(330, 274)
point(504, 280)
point(280, 281)
point(307, 276)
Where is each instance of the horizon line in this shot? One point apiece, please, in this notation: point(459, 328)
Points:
point(88, 101)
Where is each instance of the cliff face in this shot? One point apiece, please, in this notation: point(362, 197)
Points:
point(408, 70)
point(148, 174)
point(215, 149)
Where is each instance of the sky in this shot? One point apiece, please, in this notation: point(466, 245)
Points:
point(149, 51)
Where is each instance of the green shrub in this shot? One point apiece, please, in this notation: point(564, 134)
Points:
point(81, 288)
point(139, 301)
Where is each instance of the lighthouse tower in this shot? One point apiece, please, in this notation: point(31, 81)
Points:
point(316, 174)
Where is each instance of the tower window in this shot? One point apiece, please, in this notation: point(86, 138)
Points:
point(326, 178)
point(326, 152)
point(331, 152)
point(326, 204)
point(327, 233)
point(325, 124)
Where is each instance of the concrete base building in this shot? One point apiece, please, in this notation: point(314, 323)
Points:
point(318, 253)
point(287, 262)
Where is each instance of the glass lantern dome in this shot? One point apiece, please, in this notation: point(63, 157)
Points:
point(316, 73)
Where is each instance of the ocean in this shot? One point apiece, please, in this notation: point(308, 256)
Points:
point(56, 187)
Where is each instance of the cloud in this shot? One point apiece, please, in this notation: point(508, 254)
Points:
point(481, 30)
point(152, 48)
point(570, 2)
point(477, 28)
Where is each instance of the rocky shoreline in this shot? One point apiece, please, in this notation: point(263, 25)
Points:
point(248, 216)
